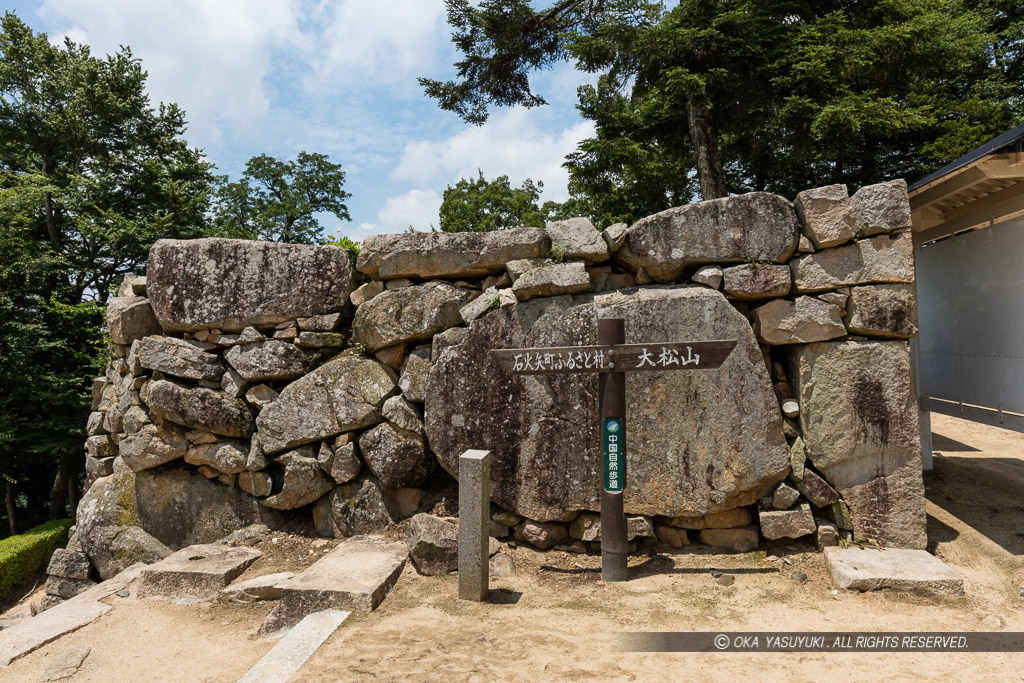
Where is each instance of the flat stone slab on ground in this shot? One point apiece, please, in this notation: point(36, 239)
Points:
point(65, 663)
point(31, 634)
point(358, 574)
point(266, 587)
point(198, 571)
point(898, 569)
point(292, 651)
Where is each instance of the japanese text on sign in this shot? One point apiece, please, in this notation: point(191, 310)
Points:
point(559, 360)
point(667, 356)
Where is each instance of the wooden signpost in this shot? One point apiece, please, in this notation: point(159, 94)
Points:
point(612, 358)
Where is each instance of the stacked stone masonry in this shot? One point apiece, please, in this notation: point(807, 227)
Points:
point(254, 381)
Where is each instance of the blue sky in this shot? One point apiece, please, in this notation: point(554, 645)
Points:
point(336, 77)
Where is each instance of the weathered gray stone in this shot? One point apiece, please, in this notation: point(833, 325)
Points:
point(107, 522)
point(398, 284)
point(552, 280)
point(546, 466)
point(577, 238)
point(304, 482)
point(881, 208)
point(433, 544)
point(391, 356)
point(883, 311)
point(402, 413)
point(224, 456)
point(409, 315)
point(345, 394)
point(784, 496)
point(100, 447)
point(154, 445)
point(358, 574)
point(672, 537)
point(266, 587)
point(299, 643)
point(860, 428)
point(179, 357)
point(198, 572)
point(881, 259)
point(94, 425)
point(353, 508)
point(321, 323)
point(68, 661)
point(758, 225)
point(200, 408)
point(804, 320)
point(396, 456)
point(68, 564)
point(257, 484)
point(131, 318)
point(443, 340)
point(231, 284)
point(180, 508)
point(98, 467)
point(516, 269)
point(320, 340)
point(795, 523)
point(828, 533)
point(586, 527)
point(826, 215)
point(709, 276)
point(615, 236)
point(270, 361)
point(366, 292)
point(344, 462)
point(448, 255)
point(914, 571)
point(542, 535)
point(475, 545)
point(30, 634)
point(480, 306)
point(835, 298)
point(233, 384)
point(817, 490)
point(753, 281)
point(66, 589)
point(740, 540)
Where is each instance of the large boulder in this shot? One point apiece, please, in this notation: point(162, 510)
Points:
point(182, 507)
point(450, 255)
point(304, 482)
point(130, 318)
point(398, 457)
point(860, 429)
point(697, 441)
point(199, 408)
point(433, 544)
point(340, 396)
point(577, 238)
point(881, 259)
point(552, 279)
point(154, 445)
point(883, 311)
point(108, 525)
point(184, 358)
point(798, 322)
point(757, 225)
point(753, 281)
point(881, 208)
point(271, 360)
point(351, 509)
point(826, 215)
point(409, 314)
point(231, 284)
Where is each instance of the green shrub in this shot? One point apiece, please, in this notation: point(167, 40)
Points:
point(22, 555)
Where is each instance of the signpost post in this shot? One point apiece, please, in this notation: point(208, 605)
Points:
point(612, 358)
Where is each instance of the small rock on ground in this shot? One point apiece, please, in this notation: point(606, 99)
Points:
point(65, 664)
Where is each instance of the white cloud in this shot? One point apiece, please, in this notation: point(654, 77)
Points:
point(418, 208)
point(510, 143)
point(384, 42)
point(211, 58)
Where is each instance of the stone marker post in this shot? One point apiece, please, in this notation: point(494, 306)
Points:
point(474, 515)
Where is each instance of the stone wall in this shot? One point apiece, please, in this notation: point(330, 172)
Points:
point(256, 383)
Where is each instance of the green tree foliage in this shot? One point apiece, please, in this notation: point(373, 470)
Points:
point(90, 176)
point(278, 200)
point(481, 205)
point(710, 97)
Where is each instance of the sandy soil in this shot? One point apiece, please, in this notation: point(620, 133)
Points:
point(555, 620)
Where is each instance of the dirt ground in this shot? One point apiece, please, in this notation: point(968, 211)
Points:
point(555, 620)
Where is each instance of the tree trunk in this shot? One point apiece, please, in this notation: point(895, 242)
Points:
point(51, 219)
point(705, 151)
point(58, 493)
point(73, 495)
point(12, 522)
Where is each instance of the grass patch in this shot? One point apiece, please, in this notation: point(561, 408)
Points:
point(24, 554)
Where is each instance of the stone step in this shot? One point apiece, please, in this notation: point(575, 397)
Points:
point(30, 634)
point(356, 575)
point(899, 569)
point(292, 651)
point(198, 572)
